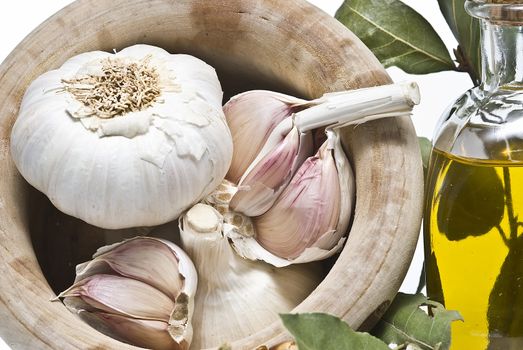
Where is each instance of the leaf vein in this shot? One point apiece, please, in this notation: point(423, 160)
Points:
point(384, 45)
point(420, 62)
point(430, 330)
point(393, 58)
point(409, 337)
point(454, 17)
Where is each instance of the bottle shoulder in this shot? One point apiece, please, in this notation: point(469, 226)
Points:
point(483, 125)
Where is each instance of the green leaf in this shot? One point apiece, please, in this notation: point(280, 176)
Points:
point(504, 314)
point(466, 31)
point(471, 201)
point(433, 278)
point(317, 331)
point(404, 322)
point(396, 34)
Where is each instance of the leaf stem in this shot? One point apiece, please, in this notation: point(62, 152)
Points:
point(503, 235)
point(510, 206)
point(465, 65)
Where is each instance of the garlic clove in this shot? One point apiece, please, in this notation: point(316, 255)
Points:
point(124, 296)
point(262, 184)
point(311, 216)
point(332, 242)
point(252, 116)
point(236, 297)
point(127, 260)
point(307, 209)
point(149, 334)
point(124, 282)
point(280, 132)
point(273, 167)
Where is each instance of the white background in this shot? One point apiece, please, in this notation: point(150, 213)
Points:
point(19, 17)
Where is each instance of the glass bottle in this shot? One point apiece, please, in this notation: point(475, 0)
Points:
point(473, 223)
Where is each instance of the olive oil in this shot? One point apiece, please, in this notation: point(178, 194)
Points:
point(474, 248)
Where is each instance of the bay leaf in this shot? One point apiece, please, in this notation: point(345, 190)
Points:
point(433, 278)
point(318, 331)
point(405, 323)
point(471, 201)
point(396, 34)
point(466, 30)
point(505, 310)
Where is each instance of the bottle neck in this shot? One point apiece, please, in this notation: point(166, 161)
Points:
point(501, 55)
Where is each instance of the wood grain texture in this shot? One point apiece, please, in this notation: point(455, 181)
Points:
point(289, 46)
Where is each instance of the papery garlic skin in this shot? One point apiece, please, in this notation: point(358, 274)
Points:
point(236, 297)
point(140, 291)
point(141, 168)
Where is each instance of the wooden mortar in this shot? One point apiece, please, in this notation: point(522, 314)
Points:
point(289, 46)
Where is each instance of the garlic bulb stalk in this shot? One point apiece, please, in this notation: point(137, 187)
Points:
point(358, 106)
point(280, 157)
point(140, 291)
point(236, 297)
point(126, 139)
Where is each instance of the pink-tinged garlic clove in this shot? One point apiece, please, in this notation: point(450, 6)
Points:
point(252, 116)
point(135, 290)
point(310, 218)
point(306, 210)
point(267, 178)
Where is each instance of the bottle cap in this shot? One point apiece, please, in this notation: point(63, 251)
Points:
point(508, 12)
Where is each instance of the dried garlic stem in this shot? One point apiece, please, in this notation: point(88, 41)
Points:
point(123, 87)
point(358, 106)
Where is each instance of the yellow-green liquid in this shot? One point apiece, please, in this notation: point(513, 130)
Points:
point(474, 259)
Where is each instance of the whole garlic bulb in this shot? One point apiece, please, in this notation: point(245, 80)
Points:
point(126, 139)
point(140, 291)
point(236, 297)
